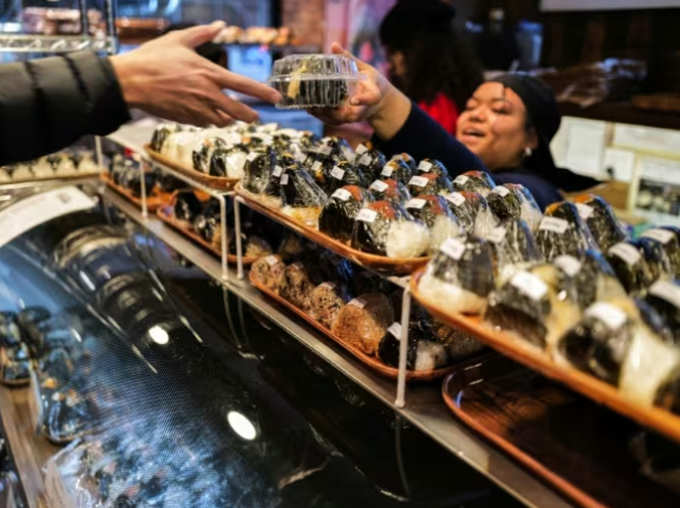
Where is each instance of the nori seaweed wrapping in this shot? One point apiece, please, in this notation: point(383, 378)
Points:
point(303, 199)
point(600, 219)
point(258, 170)
point(474, 181)
point(228, 161)
point(664, 297)
point(538, 304)
point(133, 181)
point(396, 169)
point(514, 201)
point(372, 226)
point(370, 163)
point(337, 217)
point(629, 263)
point(161, 133)
point(592, 276)
point(434, 211)
point(460, 276)
point(202, 155)
point(667, 240)
point(420, 335)
point(432, 166)
point(429, 183)
point(562, 231)
point(341, 174)
point(514, 248)
point(389, 190)
point(472, 211)
point(187, 206)
point(406, 159)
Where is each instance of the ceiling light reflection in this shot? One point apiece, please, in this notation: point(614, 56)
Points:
point(241, 425)
point(158, 335)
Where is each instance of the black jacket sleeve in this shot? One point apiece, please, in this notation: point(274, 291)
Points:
point(49, 103)
point(422, 137)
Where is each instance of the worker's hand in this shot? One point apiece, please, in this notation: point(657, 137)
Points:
point(167, 78)
point(375, 100)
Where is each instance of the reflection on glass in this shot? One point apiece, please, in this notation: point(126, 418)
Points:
point(241, 425)
point(158, 335)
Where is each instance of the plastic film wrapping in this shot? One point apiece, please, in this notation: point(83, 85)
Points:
point(668, 240)
point(337, 217)
point(435, 213)
point(562, 231)
point(474, 181)
point(341, 174)
point(364, 320)
point(432, 166)
point(303, 199)
point(397, 169)
point(601, 220)
point(514, 248)
point(514, 201)
point(389, 190)
point(473, 212)
point(268, 270)
point(629, 263)
point(424, 352)
point(326, 301)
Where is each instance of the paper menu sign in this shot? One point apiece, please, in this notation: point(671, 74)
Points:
point(32, 211)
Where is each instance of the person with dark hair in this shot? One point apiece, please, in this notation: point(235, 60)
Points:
point(210, 50)
point(505, 129)
point(428, 60)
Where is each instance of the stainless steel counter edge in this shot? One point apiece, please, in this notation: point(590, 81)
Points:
point(424, 406)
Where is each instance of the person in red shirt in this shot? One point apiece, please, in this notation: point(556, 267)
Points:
point(428, 60)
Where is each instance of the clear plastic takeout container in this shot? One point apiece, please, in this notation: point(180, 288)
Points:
point(314, 81)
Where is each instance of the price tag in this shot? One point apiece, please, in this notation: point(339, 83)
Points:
point(367, 215)
point(27, 213)
point(284, 179)
point(461, 180)
point(277, 171)
point(252, 156)
point(530, 285)
point(361, 149)
point(554, 224)
point(613, 317)
point(626, 252)
point(660, 235)
point(387, 170)
point(666, 291)
point(425, 166)
point(328, 285)
point(55, 490)
point(501, 191)
point(456, 198)
point(568, 264)
point(453, 248)
point(358, 302)
point(325, 150)
point(418, 181)
point(272, 260)
point(379, 186)
point(342, 194)
point(395, 329)
point(416, 203)
point(337, 173)
point(316, 166)
point(365, 159)
point(584, 211)
point(496, 235)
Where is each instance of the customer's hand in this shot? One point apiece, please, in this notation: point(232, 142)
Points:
point(375, 100)
point(167, 78)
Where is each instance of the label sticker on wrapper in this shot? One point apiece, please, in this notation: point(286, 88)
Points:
point(425, 166)
point(358, 302)
point(501, 191)
point(284, 179)
point(342, 194)
point(626, 252)
point(530, 285)
point(666, 291)
point(252, 156)
point(387, 170)
point(325, 150)
point(416, 203)
point(337, 173)
point(272, 260)
point(554, 224)
point(453, 248)
point(418, 181)
point(365, 159)
point(496, 235)
point(461, 180)
point(367, 215)
point(395, 329)
point(361, 149)
point(316, 166)
point(379, 186)
point(277, 171)
point(568, 264)
point(613, 317)
point(584, 211)
point(660, 235)
point(456, 198)
point(328, 285)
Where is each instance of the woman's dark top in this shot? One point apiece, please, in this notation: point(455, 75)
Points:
point(424, 138)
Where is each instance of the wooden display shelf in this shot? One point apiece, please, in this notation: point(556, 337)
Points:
point(623, 112)
point(29, 452)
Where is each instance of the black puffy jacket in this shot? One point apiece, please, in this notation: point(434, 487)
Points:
point(49, 103)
